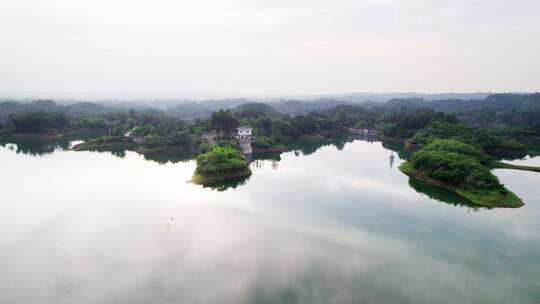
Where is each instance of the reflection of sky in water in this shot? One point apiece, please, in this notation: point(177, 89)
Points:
point(526, 161)
point(329, 227)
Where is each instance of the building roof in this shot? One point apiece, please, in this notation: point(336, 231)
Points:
point(245, 128)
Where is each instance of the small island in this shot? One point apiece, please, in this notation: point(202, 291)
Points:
point(220, 164)
point(461, 168)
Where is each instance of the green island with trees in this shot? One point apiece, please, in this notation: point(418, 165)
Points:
point(219, 164)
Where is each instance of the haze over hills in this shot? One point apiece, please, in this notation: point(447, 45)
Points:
point(354, 96)
point(381, 97)
point(191, 110)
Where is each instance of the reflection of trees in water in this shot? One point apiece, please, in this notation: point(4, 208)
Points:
point(165, 158)
point(398, 147)
point(258, 161)
point(508, 154)
point(119, 153)
point(443, 195)
point(310, 146)
point(36, 148)
point(42, 146)
point(228, 184)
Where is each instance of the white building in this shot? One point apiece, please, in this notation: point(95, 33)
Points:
point(244, 133)
point(244, 139)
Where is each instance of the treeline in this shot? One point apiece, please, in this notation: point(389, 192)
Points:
point(157, 129)
point(270, 123)
point(403, 123)
point(77, 110)
point(496, 110)
point(39, 122)
point(45, 116)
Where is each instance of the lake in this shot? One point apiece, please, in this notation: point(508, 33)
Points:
point(332, 223)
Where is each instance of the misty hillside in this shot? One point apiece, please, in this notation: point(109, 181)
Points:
point(255, 109)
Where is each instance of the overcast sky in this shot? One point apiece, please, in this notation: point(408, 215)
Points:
point(210, 48)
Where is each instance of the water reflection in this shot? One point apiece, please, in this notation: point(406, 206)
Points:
point(166, 158)
point(310, 146)
point(39, 146)
point(329, 227)
point(443, 195)
point(228, 184)
point(35, 148)
point(299, 147)
point(525, 161)
point(398, 147)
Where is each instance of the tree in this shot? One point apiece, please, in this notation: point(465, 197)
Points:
point(223, 120)
point(154, 141)
point(340, 119)
point(179, 138)
point(39, 122)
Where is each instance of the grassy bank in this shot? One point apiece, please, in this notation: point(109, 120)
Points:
point(485, 198)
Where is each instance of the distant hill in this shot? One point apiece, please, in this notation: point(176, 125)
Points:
point(383, 97)
point(436, 96)
point(80, 109)
point(492, 102)
point(291, 106)
point(461, 103)
point(203, 109)
point(255, 109)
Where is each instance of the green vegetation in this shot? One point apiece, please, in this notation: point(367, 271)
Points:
point(405, 122)
point(267, 144)
point(482, 139)
point(460, 167)
point(496, 110)
point(218, 164)
point(39, 122)
point(106, 143)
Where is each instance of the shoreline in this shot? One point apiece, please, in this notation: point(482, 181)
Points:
point(487, 199)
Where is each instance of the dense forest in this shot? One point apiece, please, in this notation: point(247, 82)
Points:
point(504, 116)
point(502, 109)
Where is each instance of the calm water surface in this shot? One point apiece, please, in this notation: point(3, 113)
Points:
point(331, 224)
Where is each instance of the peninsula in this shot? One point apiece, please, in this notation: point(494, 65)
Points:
point(460, 167)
